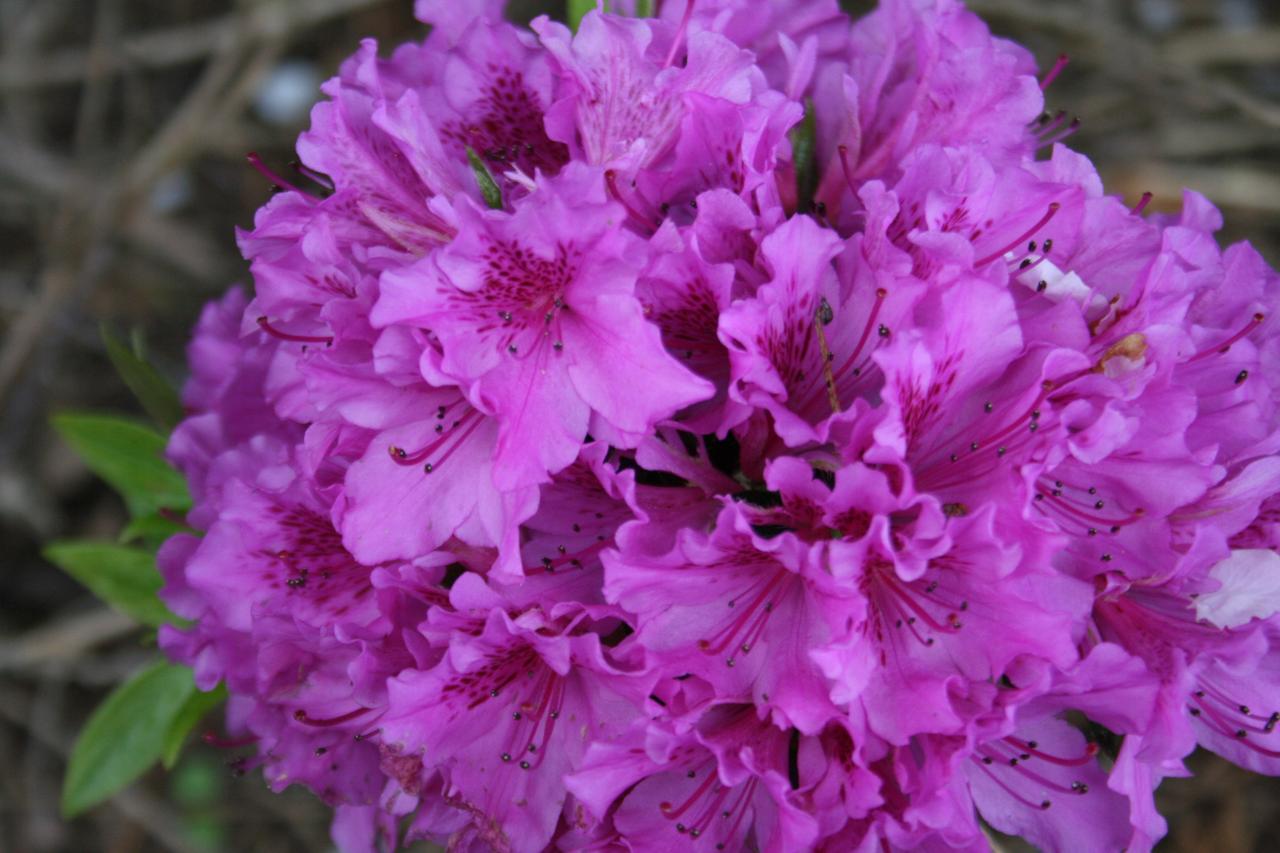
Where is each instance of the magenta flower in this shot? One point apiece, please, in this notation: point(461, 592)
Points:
point(537, 320)
point(625, 94)
point(729, 778)
point(507, 713)
point(725, 430)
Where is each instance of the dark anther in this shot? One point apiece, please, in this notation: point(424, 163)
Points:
point(826, 313)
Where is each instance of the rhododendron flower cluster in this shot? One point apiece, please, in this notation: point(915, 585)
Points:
point(741, 428)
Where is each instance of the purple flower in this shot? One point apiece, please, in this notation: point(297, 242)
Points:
point(507, 713)
point(784, 456)
point(737, 611)
point(625, 95)
point(536, 317)
point(728, 778)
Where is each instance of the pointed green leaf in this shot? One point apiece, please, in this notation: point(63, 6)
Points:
point(488, 186)
point(577, 9)
point(153, 391)
point(197, 706)
point(128, 456)
point(803, 137)
point(125, 578)
point(125, 735)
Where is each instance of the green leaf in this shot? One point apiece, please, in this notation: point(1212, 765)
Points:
point(577, 9)
point(124, 736)
point(488, 186)
point(153, 391)
point(151, 530)
point(198, 704)
point(126, 455)
point(644, 8)
point(125, 578)
point(802, 138)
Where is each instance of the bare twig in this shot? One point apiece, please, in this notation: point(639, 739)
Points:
point(39, 769)
point(36, 168)
point(184, 126)
point(63, 640)
point(76, 254)
point(1230, 186)
point(95, 94)
point(224, 86)
point(1255, 46)
point(180, 44)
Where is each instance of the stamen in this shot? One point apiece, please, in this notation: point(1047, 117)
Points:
point(211, 738)
point(280, 183)
point(402, 457)
point(952, 622)
point(1053, 72)
point(1029, 747)
point(611, 181)
point(1214, 694)
point(311, 174)
point(671, 812)
point(824, 316)
point(984, 766)
point(539, 711)
point(722, 639)
point(1226, 345)
point(1022, 238)
point(265, 325)
point(1217, 722)
point(678, 39)
point(739, 808)
point(1046, 141)
point(574, 561)
point(1051, 124)
point(839, 373)
point(301, 716)
point(1142, 204)
point(1077, 512)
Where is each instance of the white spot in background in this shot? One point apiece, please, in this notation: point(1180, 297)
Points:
point(1240, 14)
point(1158, 16)
point(286, 95)
point(171, 193)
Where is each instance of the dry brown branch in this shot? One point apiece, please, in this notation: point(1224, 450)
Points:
point(1224, 47)
point(40, 768)
point(1265, 111)
point(19, 42)
point(176, 45)
point(35, 168)
point(184, 126)
point(188, 250)
point(76, 251)
point(59, 643)
point(225, 84)
point(1052, 17)
point(1230, 186)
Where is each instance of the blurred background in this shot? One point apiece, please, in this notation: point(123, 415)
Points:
point(123, 130)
